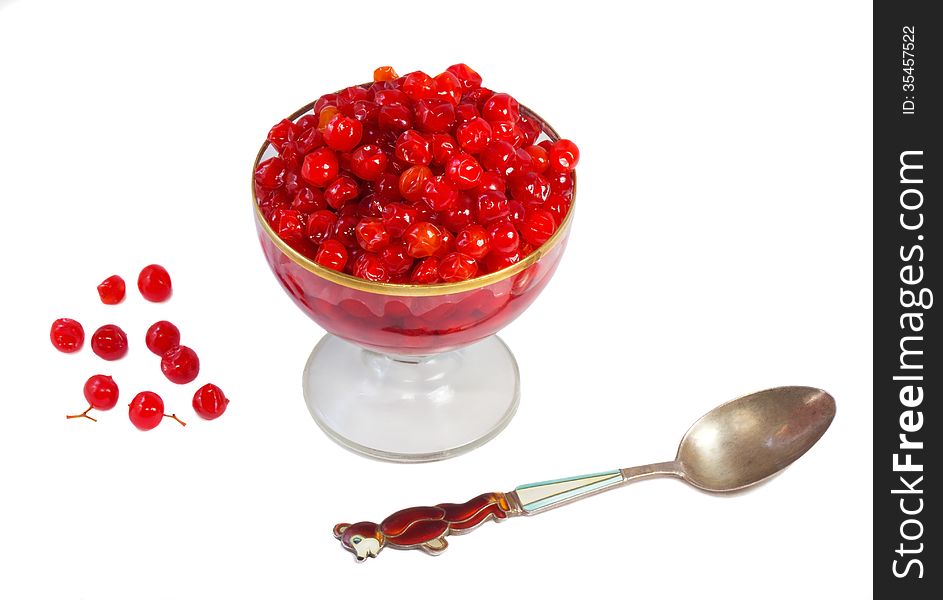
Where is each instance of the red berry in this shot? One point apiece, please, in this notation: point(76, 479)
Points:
point(101, 391)
point(154, 283)
point(283, 131)
point(422, 239)
point(463, 171)
point(345, 230)
point(417, 85)
point(439, 193)
point(308, 200)
point(444, 147)
point(320, 226)
point(397, 217)
point(426, 271)
point(396, 259)
point(474, 241)
point(369, 266)
point(558, 206)
point(146, 411)
point(435, 115)
point(341, 191)
point(412, 181)
point(391, 96)
point(332, 254)
point(270, 173)
point(539, 158)
point(371, 235)
point(474, 135)
point(180, 365)
point(109, 342)
point(111, 291)
point(501, 107)
point(67, 335)
point(497, 156)
point(538, 227)
point(368, 162)
point(507, 131)
point(561, 182)
point(504, 237)
point(384, 74)
point(496, 261)
point(530, 128)
point(460, 214)
point(492, 181)
point(564, 155)
point(448, 243)
point(394, 117)
point(448, 87)
point(320, 167)
point(209, 402)
point(161, 337)
point(466, 75)
point(529, 187)
point(289, 225)
point(457, 267)
point(413, 148)
point(492, 205)
point(342, 133)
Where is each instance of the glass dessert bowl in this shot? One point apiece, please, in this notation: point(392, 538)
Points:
point(411, 372)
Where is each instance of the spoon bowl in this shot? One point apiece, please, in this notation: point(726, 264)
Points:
point(748, 440)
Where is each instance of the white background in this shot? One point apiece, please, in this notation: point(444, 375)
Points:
point(722, 245)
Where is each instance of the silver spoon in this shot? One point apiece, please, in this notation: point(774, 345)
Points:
point(736, 445)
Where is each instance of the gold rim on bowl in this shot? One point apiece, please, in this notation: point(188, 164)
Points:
point(408, 289)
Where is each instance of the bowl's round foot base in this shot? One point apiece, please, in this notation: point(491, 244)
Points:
point(411, 409)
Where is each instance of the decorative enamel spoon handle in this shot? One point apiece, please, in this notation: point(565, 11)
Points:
point(425, 527)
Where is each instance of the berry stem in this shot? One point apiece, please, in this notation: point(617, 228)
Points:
point(84, 414)
point(174, 417)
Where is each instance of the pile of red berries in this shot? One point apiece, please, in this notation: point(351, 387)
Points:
point(416, 179)
point(179, 363)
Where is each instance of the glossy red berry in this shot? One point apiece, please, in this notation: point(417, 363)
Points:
point(497, 156)
point(147, 410)
point(154, 283)
point(448, 87)
point(474, 135)
point(289, 225)
point(412, 181)
point(507, 131)
point(504, 237)
point(111, 291)
point(463, 171)
point(538, 226)
point(341, 191)
point(369, 266)
point(444, 147)
point(539, 158)
point(501, 107)
point(109, 342)
point(422, 239)
point(320, 226)
point(345, 230)
point(564, 155)
point(397, 217)
point(439, 193)
point(101, 391)
point(469, 78)
point(396, 259)
point(320, 167)
point(492, 205)
point(332, 254)
point(161, 337)
point(529, 187)
point(209, 402)
point(474, 241)
point(394, 117)
point(496, 261)
point(342, 133)
point(270, 173)
point(282, 132)
point(426, 271)
point(456, 266)
point(180, 365)
point(371, 235)
point(558, 206)
point(308, 200)
point(413, 148)
point(67, 335)
point(368, 162)
point(417, 85)
point(435, 115)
